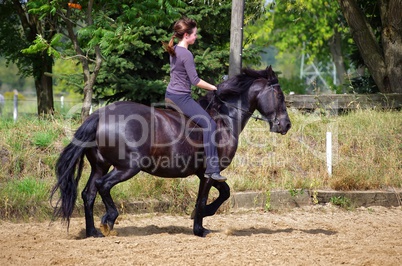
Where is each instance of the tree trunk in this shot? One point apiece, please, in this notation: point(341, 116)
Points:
point(391, 35)
point(337, 57)
point(89, 82)
point(384, 65)
point(41, 63)
point(44, 86)
point(89, 76)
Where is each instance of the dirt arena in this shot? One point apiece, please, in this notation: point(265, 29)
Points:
point(313, 235)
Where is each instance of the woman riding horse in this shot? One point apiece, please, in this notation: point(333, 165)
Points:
point(182, 75)
point(132, 137)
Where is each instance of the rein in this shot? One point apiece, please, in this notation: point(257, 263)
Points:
point(275, 120)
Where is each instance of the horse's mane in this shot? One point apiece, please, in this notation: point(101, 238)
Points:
point(242, 82)
point(237, 85)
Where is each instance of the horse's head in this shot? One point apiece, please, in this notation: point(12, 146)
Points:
point(271, 104)
point(252, 89)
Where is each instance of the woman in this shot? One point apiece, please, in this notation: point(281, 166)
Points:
point(182, 75)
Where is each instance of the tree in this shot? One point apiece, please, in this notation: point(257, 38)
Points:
point(134, 68)
point(140, 71)
point(312, 27)
point(18, 29)
point(118, 43)
point(381, 47)
point(94, 31)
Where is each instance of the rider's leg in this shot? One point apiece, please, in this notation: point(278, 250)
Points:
point(193, 110)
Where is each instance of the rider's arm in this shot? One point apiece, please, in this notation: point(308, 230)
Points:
point(189, 65)
point(205, 85)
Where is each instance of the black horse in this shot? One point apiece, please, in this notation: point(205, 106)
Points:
point(133, 137)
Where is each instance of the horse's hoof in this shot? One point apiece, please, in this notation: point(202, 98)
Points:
point(202, 232)
point(206, 232)
point(95, 234)
point(107, 230)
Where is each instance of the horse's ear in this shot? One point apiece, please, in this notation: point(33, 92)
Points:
point(269, 72)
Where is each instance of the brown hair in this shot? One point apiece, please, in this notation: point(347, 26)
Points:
point(182, 26)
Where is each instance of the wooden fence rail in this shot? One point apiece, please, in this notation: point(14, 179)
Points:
point(345, 101)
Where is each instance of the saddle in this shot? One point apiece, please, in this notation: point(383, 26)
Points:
point(169, 104)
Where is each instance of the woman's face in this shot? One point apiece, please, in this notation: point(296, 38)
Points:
point(192, 37)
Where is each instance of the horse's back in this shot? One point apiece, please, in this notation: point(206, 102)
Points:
point(130, 131)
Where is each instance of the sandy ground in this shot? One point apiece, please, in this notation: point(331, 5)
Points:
point(313, 235)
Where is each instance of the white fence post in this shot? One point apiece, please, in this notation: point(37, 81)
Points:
point(329, 152)
point(2, 102)
point(15, 113)
point(62, 102)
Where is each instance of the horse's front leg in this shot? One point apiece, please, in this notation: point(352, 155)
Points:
point(203, 191)
point(224, 194)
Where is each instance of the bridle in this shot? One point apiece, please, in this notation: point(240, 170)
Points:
point(275, 120)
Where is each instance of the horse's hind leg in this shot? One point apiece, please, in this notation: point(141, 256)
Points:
point(89, 194)
point(104, 185)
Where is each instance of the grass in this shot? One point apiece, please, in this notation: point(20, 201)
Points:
point(342, 202)
point(25, 198)
point(367, 148)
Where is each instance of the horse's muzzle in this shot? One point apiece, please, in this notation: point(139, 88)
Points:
point(281, 127)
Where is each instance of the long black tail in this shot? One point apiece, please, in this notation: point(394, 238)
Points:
point(69, 167)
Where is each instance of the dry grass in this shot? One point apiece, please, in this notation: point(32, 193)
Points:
point(366, 151)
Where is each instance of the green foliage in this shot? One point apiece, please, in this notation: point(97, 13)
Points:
point(129, 35)
point(67, 78)
point(293, 84)
point(13, 40)
point(40, 45)
point(311, 23)
point(134, 69)
point(24, 198)
point(295, 192)
point(26, 189)
point(294, 27)
point(43, 139)
point(362, 84)
point(137, 68)
point(341, 201)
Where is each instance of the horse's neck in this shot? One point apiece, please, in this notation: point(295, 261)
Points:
point(232, 119)
point(237, 114)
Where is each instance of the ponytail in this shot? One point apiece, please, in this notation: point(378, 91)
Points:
point(181, 27)
point(169, 47)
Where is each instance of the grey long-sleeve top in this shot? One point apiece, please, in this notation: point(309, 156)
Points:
point(182, 72)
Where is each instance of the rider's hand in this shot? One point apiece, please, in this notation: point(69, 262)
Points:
point(216, 91)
